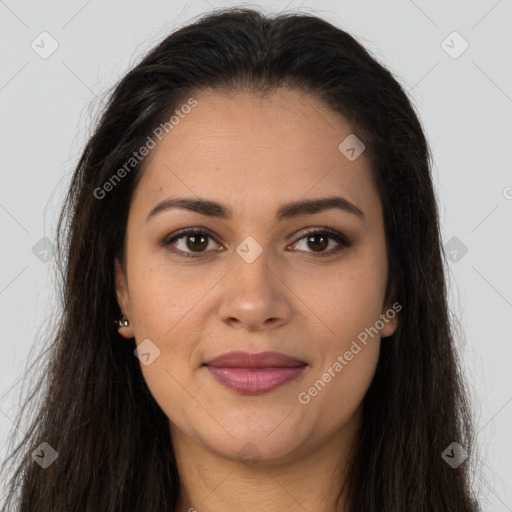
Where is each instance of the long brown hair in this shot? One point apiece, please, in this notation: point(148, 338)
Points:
point(95, 409)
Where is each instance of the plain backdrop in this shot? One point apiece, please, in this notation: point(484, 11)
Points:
point(453, 58)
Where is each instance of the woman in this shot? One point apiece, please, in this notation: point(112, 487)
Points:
point(254, 313)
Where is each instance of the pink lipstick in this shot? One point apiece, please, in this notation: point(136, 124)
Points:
point(254, 374)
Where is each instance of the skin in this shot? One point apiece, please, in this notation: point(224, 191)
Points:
point(253, 154)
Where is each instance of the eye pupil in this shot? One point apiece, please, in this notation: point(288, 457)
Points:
point(324, 242)
point(195, 240)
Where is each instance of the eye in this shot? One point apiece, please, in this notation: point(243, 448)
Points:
point(195, 241)
point(318, 240)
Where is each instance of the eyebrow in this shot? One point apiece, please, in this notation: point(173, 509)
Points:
point(286, 211)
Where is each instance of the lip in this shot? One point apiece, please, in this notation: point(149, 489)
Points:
point(240, 359)
point(254, 374)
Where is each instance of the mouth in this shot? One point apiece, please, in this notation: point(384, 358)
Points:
point(254, 374)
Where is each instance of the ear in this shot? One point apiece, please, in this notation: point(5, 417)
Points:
point(123, 299)
point(389, 317)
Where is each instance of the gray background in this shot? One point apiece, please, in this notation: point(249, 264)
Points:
point(465, 104)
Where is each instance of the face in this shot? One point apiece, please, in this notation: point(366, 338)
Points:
point(256, 276)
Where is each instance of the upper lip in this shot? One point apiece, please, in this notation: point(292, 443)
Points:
point(239, 359)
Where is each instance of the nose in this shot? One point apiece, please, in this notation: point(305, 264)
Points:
point(254, 296)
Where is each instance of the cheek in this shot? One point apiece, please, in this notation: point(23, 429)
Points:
point(163, 296)
point(167, 309)
point(335, 395)
point(348, 345)
point(165, 321)
point(345, 310)
point(344, 302)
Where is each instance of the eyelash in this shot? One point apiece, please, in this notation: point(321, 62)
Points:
point(341, 239)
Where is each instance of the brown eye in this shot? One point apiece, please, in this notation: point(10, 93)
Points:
point(317, 241)
point(196, 242)
point(189, 241)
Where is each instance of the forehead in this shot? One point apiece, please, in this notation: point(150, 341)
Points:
point(249, 150)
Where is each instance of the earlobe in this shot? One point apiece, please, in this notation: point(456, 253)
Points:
point(389, 318)
point(124, 327)
point(389, 328)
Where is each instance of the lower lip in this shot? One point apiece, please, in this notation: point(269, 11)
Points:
point(255, 381)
